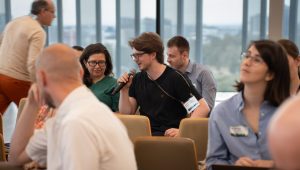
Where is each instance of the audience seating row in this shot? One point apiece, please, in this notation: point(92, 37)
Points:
point(181, 152)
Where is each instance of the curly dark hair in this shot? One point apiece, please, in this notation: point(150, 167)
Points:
point(87, 52)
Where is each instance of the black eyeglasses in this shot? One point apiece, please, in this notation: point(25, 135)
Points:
point(136, 56)
point(100, 63)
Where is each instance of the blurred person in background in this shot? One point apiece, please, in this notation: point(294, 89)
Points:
point(294, 63)
point(21, 42)
point(200, 75)
point(284, 135)
point(78, 49)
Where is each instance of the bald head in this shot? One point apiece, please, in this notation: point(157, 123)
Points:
point(284, 135)
point(60, 63)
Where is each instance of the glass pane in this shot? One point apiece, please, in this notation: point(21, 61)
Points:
point(20, 8)
point(298, 26)
point(268, 13)
point(148, 15)
point(108, 14)
point(53, 29)
point(88, 22)
point(254, 20)
point(127, 33)
point(2, 15)
point(69, 22)
point(222, 40)
point(286, 17)
point(189, 25)
point(170, 20)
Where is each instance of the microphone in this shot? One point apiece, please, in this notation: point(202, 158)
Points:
point(122, 84)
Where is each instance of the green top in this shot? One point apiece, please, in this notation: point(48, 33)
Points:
point(102, 89)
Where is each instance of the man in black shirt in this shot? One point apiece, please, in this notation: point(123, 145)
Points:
point(164, 95)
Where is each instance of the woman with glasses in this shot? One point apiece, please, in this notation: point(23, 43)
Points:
point(294, 63)
point(237, 126)
point(98, 76)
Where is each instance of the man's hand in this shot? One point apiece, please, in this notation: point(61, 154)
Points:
point(126, 78)
point(25, 127)
point(172, 132)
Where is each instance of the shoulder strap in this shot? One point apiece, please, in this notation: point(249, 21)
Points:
point(172, 97)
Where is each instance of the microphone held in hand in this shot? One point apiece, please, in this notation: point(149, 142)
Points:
point(122, 84)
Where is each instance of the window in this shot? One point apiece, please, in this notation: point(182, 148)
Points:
point(2, 15)
point(298, 25)
point(169, 27)
point(88, 22)
point(69, 22)
point(216, 30)
point(286, 17)
point(222, 27)
point(108, 18)
point(148, 15)
point(20, 8)
point(189, 26)
point(53, 29)
point(127, 25)
point(254, 17)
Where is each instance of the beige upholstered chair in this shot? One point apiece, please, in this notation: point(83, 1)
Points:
point(163, 153)
point(21, 106)
point(196, 129)
point(8, 166)
point(2, 149)
point(1, 124)
point(136, 125)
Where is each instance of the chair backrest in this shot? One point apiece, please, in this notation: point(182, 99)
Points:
point(1, 124)
point(2, 149)
point(162, 153)
point(136, 125)
point(196, 129)
point(21, 106)
point(8, 166)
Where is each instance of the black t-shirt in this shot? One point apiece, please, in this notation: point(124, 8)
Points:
point(163, 111)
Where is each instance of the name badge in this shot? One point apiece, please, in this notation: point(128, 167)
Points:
point(191, 104)
point(239, 131)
